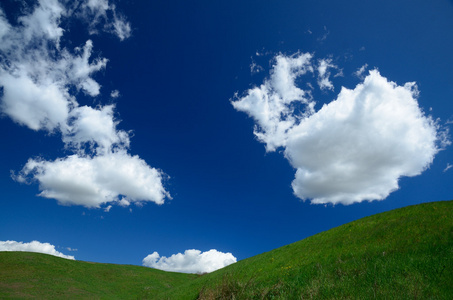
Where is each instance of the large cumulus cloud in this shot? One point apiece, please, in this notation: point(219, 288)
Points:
point(354, 148)
point(358, 146)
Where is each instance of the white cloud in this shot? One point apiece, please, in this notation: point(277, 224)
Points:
point(191, 261)
point(323, 74)
point(270, 104)
point(353, 149)
point(34, 91)
point(96, 127)
point(35, 105)
point(448, 167)
point(96, 14)
point(43, 22)
point(37, 74)
point(360, 71)
point(254, 67)
point(80, 69)
point(33, 246)
point(358, 146)
point(121, 27)
point(339, 73)
point(115, 94)
point(36, 79)
point(93, 181)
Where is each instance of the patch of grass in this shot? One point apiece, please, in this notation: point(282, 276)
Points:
point(34, 275)
point(402, 254)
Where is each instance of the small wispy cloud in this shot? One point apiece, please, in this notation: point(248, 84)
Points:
point(360, 71)
point(100, 15)
point(448, 167)
point(115, 94)
point(255, 68)
point(324, 36)
point(323, 73)
point(339, 73)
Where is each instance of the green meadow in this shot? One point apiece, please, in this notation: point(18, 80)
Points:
point(35, 275)
point(406, 253)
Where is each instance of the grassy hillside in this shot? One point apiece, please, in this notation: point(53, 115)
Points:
point(35, 275)
point(401, 254)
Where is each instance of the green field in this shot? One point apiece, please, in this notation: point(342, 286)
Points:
point(35, 275)
point(402, 254)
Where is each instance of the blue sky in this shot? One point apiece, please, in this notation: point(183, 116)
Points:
point(122, 133)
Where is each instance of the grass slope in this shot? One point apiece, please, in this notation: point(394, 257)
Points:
point(34, 275)
point(401, 254)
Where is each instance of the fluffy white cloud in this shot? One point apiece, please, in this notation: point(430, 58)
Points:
point(32, 94)
point(354, 148)
point(358, 146)
point(271, 103)
point(35, 80)
point(92, 181)
point(80, 69)
point(96, 127)
point(35, 105)
point(33, 246)
point(191, 261)
point(43, 23)
point(40, 80)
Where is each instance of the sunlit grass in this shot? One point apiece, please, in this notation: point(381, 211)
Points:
point(35, 275)
point(402, 254)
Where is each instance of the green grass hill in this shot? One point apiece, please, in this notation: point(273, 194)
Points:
point(406, 253)
point(25, 275)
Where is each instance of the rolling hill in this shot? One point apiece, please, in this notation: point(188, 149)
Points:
point(400, 254)
point(34, 275)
